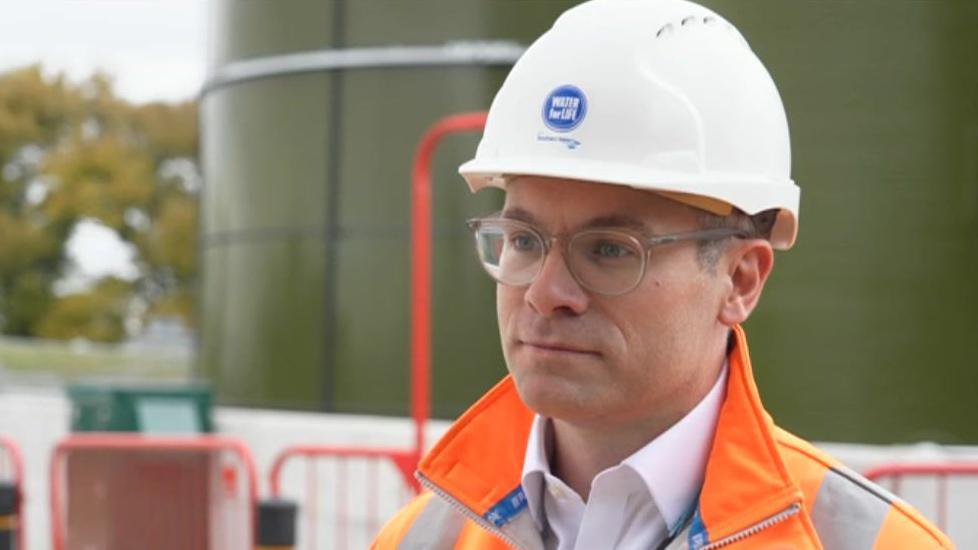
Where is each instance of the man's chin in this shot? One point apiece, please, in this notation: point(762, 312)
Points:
point(558, 364)
point(551, 397)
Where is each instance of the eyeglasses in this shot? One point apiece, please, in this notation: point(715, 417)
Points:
point(605, 261)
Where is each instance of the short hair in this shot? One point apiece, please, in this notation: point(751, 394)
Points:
point(757, 226)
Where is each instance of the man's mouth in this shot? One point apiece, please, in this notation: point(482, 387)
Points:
point(557, 347)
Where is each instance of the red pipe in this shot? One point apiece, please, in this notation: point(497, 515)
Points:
point(420, 363)
point(421, 264)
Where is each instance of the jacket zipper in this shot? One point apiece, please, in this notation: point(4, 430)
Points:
point(465, 510)
point(726, 541)
point(756, 528)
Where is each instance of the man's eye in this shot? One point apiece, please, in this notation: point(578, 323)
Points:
point(609, 249)
point(523, 241)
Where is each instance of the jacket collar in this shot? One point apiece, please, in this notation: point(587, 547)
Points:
point(480, 459)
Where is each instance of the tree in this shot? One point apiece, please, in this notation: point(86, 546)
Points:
point(74, 151)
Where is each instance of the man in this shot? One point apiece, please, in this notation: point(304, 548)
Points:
point(644, 153)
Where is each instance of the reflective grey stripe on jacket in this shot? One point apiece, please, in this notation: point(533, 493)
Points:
point(439, 525)
point(436, 528)
point(848, 514)
point(849, 511)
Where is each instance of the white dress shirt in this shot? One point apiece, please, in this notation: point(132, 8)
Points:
point(635, 505)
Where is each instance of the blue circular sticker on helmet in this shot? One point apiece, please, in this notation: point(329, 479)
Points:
point(564, 108)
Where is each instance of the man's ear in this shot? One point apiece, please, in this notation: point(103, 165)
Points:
point(748, 264)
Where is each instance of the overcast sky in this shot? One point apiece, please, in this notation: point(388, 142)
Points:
point(155, 50)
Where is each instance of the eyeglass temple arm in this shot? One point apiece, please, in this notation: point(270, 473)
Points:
point(702, 235)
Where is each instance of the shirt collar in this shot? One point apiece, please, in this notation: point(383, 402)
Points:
point(536, 465)
point(672, 465)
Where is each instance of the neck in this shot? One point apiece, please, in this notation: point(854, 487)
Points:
point(583, 450)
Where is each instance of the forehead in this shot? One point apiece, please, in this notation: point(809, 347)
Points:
point(566, 204)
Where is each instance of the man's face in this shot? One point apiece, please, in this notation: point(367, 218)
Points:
point(587, 358)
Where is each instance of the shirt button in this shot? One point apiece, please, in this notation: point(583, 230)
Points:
point(556, 491)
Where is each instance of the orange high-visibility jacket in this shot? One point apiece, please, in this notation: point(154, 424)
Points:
point(764, 488)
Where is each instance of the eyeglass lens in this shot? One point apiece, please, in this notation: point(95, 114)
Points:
point(603, 261)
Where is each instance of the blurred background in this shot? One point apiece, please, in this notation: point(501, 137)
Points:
point(216, 194)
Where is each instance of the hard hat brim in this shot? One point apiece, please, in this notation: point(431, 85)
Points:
point(750, 193)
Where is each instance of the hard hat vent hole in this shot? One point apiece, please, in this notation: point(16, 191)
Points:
point(668, 28)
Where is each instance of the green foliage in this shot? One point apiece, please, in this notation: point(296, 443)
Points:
point(71, 152)
point(97, 315)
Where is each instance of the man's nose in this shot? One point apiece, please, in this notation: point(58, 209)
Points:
point(554, 289)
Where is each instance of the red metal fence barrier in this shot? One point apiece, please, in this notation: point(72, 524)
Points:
point(347, 491)
point(929, 477)
point(12, 470)
point(119, 491)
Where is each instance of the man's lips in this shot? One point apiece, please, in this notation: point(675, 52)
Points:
point(558, 347)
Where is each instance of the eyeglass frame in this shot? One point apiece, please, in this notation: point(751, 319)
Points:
point(647, 244)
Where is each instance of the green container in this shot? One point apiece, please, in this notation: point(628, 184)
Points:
point(144, 409)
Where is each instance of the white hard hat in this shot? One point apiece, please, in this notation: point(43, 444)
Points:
point(663, 95)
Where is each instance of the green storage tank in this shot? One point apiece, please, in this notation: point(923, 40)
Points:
point(865, 332)
point(309, 123)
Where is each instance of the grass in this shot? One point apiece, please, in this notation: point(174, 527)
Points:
point(74, 361)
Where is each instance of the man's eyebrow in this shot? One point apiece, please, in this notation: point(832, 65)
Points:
point(613, 220)
point(617, 220)
point(517, 213)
